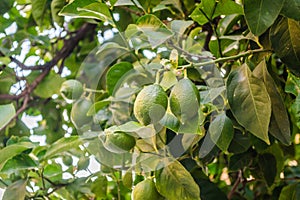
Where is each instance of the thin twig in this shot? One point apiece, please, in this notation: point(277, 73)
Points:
point(246, 53)
point(137, 13)
point(238, 180)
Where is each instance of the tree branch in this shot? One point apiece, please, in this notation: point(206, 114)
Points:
point(65, 51)
point(238, 180)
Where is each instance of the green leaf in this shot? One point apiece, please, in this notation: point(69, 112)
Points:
point(16, 191)
point(285, 40)
point(62, 145)
point(209, 190)
point(249, 102)
point(239, 161)
point(290, 192)
point(277, 152)
point(221, 131)
point(114, 75)
point(98, 11)
point(154, 29)
point(7, 112)
point(99, 187)
point(169, 79)
point(175, 3)
point(291, 9)
point(18, 163)
point(204, 11)
point(265, 161)
point(38, 11)
point(198, 16)
point(98, 106)
point(91, 9)
point(13, 150)
point(174, 182)
point(209, 9)
point(170, 121)
point(53, 172)
point(292, 84)
point(227, 7)
point(6, 79)
point(56, 6)
point(6, 5)
point(261, 14)
point(4, 60)
point(240, 142)
point(179, 26)
point(295, 111)
point(279, 124)
point(49, 86)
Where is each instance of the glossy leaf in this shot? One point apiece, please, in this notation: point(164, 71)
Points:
point(277, 152)
point(228, 7)
point(279, 124)
point(62, 145)
point(265, 161)
point(179, 26)
point(5, 6)
point(249, 102)
point(291, 9)
point(239, 161)
point(221, 131)
point(174, 182)
point(209, 190)
point(115, 74)
point(240, 143)
point(204, 11)
point(261, 14)
point(56, 6)
point(49, 86)
point(13, 150)
point(7, 112)
point(290, 192)
point(99, 187)
point(295, 111)
point(209, 9)
point(16, 191)
point(169, 79)
point(292, 84)
point(38, 10)
point(98, 106)
point(285, 40)
point(92, 9)
point(154, 29)
point(18, 163)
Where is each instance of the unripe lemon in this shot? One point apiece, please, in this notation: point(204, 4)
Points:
point(150, 104)
point(184, 100)
point(119, 142)
point(71, 89)
point(146, 190)
point(79, 112)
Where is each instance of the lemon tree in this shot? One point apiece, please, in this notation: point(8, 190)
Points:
point(119, 99)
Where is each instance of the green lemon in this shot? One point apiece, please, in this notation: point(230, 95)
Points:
point(150, 104)
point(71, 89)
point(79, 112)
point(146, 190)
point(119, 142)
point(67, 160)
point(184, 100)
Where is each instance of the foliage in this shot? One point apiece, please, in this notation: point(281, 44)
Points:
point(228, 70)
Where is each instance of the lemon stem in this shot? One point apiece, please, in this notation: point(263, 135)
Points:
point(185, 73)
point(157, 77)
